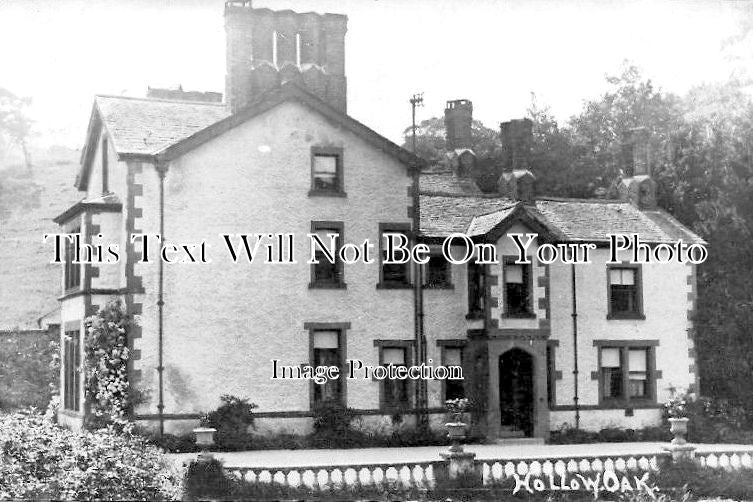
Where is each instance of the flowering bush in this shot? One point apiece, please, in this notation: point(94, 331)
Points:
point(41, 460)
point(106, 360)
point(457, 407)
point(676, 407)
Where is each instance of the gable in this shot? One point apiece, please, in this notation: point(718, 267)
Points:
point(291, 92)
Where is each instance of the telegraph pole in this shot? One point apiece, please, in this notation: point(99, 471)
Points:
point(421, 391)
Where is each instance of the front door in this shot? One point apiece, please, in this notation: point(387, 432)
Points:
point(516, 391)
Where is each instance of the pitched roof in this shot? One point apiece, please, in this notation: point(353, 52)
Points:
point(445, 209)
point(161, 129)
point(146, 126)
point(292, 92)
point(448, 184)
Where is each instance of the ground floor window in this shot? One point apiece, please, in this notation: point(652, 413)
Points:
point(395, 393)
point(626, 371)
point(327, 351)
point(452, 355)
point(71, 370)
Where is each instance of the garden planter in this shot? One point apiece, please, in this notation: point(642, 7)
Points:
point(455, 430)
point(204, 439)
point(679, 428)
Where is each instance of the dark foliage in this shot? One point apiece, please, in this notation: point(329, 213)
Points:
point(704, 482)
point(232, 420)
point(205, 480)
point(570, 435)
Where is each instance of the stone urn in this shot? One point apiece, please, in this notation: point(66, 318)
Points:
point(204, 439)
point(679, 428)
point(456, 433)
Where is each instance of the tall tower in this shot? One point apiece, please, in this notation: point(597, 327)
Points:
point(265, 48)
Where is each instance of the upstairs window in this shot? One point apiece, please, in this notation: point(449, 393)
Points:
point(327, 351)
point(624, 293)
point(326, 171)
point(438, 272)
point(71, 271)
point(476, 290)
point(517, 290)
point(393, 275)
point(326, 274)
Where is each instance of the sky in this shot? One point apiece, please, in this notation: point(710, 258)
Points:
point(495, 53)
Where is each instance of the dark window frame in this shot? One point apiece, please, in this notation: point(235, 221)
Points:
point(409, 347)
point(453, 344)
point(527, 270)
point(342, 347)
point(552, 374)
point(637, 313)
point(446, 280)
point(328, 151)
point(338, 265)
point(397, 228)
point(652, 374)
point(71, 271)
point(72, 369)
point(476, 292)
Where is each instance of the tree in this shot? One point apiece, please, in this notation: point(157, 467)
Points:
point(15, 124)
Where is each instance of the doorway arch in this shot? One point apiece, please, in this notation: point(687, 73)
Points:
point(516, 393)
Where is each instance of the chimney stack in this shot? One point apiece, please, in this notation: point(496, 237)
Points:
point(636, 185)
point(458, 119)
point(266, 48)
point(517, 138)
point(516, 181)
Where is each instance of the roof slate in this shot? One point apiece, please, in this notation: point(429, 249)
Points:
point(147, 126)
point(450, 205)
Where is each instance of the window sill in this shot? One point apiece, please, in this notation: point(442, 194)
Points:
point(394, 285)
point(327, 193)
point(621, 404)
point(327, 285)
point(626, 316)
point(439, 286)
point(522, 315)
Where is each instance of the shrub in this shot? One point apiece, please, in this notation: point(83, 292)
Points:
point(44, 461)
point(706, 482)
point(569, 435)
point(232, 420)
point(206, 480)
point(332, 419)
point(106, 357)
point(28, 369)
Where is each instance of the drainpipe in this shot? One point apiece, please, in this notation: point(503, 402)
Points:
point(418, 301)
point(575, 347)
point(161, 171)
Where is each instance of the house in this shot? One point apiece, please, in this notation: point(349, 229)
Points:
point(282, 155)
